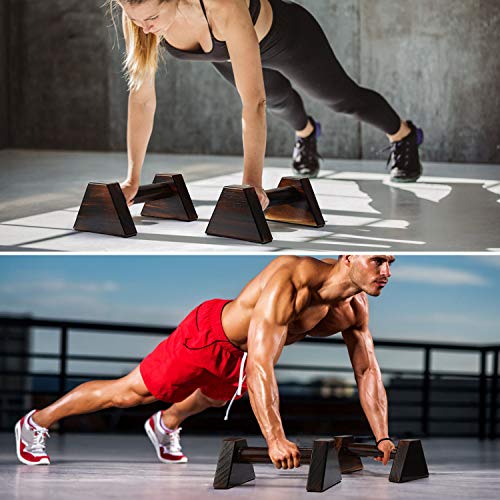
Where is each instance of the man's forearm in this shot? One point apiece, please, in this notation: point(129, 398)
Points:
point(264, 398)
point(373, 400)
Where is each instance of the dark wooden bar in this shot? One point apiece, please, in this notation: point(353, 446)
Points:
point(367, 450)
point(283, 196)
point(252, 455)
point(151, 192)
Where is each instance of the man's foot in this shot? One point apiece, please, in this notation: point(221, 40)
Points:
point(166, 443)
point(305, 154)
point(404, 161)
point(30, 441)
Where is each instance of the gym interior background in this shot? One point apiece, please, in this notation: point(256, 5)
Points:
point(64, 320)
point(61, 85)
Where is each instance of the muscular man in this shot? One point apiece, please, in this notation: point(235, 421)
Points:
point(203, 362)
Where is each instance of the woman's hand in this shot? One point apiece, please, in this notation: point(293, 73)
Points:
point(261, 194)
point(129, 189)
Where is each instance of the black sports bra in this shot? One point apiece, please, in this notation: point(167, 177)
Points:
point(219, 52)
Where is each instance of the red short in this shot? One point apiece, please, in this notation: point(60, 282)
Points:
point(198, 355)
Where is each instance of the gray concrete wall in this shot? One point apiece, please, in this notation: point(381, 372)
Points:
point(59, 93)
point(435, 61)
point(4, 117)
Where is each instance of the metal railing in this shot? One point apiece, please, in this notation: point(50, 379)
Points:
point(422, 381)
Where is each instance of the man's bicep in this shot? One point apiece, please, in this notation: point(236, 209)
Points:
point(270, 319)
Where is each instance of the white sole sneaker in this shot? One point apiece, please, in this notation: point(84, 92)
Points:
point(154, 441)
point(43, 461)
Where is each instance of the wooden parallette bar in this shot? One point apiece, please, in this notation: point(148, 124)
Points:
point(239, 215)
point(234, 466)
point(408, 463)
point(104, 208)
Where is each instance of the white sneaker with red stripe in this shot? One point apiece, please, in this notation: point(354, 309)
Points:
point(30, 442)
point(166, 443)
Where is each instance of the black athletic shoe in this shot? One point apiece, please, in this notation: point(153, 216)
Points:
point(305, 154)
point(404, 161)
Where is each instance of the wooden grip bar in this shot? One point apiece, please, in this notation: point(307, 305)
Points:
point(367, 450)
point(253, 455)
point(283, 196)
point(256, 455)
point(151, 192)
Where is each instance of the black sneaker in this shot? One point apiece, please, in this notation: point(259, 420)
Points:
point(305, 153)
point(404, 161)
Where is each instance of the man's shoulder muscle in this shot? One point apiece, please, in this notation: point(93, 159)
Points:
point(302, 271)
point(359, 305)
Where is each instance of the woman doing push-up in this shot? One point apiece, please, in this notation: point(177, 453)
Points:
point(265, 48)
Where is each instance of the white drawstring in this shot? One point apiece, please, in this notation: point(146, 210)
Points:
point(240, 385)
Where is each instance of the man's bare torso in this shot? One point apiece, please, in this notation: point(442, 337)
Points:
point(312, 314)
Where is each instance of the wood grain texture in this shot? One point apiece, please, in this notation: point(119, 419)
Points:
point(324, 471)
point(301, 207)
point(229, 472)
point(104, 209)
point(175, 203)
point(238, 213)
point(409, 463)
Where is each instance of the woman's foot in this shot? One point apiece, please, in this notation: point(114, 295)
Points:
point(305, 154)
point(404, 161)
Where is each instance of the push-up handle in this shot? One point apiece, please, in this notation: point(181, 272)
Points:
point(238, 213)
point(408, 458)
point(104, 208)
point(236, 458)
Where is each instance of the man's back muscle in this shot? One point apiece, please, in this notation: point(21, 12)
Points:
point(298, 282)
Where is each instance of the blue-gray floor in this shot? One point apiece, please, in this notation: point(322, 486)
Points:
point(112, 467)
point(452, 208)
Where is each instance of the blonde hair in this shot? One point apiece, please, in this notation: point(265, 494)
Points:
point(142, 50)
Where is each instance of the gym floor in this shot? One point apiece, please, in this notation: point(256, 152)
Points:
point(120, 466)
point(454, 207)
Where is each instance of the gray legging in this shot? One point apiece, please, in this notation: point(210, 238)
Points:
point(297, 51)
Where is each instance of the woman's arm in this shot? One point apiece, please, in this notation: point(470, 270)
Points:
point(141, 113)
point(234, 23)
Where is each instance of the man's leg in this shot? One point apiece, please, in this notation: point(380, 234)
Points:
point(97, 395)
point(196, 403)
point(32, 430)
point(163, 428)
